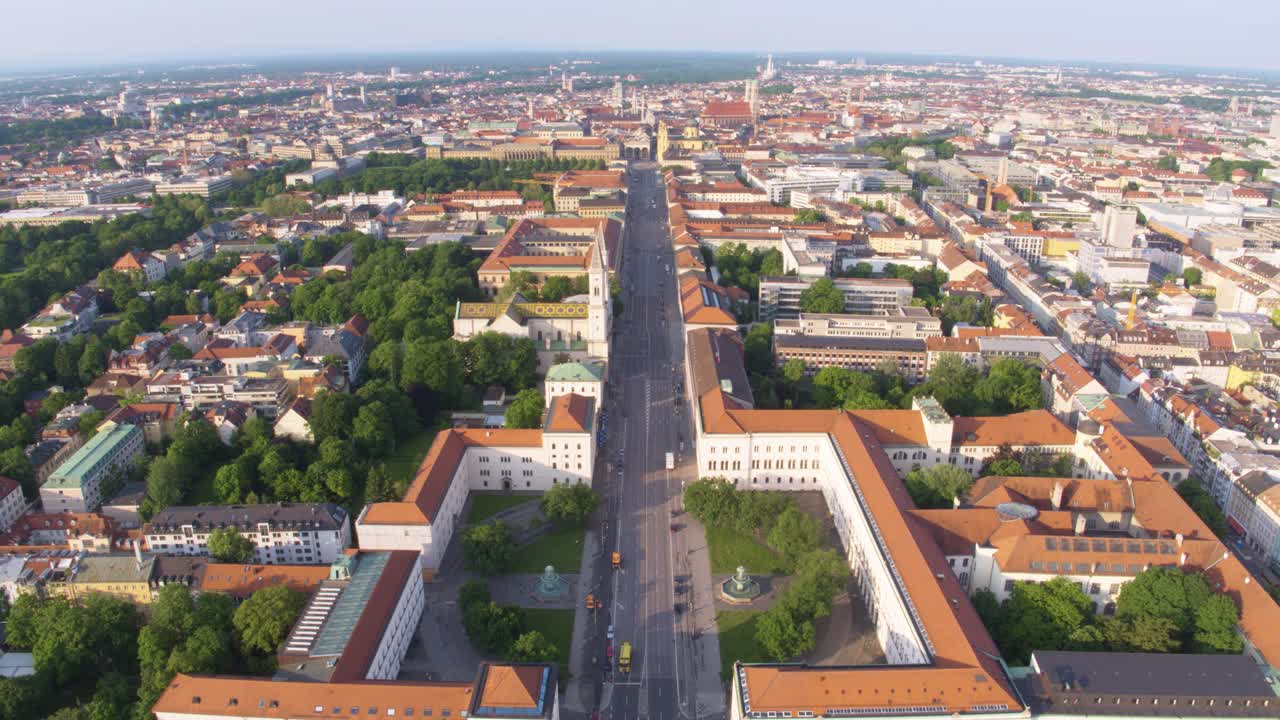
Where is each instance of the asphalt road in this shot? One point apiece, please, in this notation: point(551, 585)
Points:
point(641, 497)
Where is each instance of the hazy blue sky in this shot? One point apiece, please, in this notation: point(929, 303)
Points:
point(1181, 32)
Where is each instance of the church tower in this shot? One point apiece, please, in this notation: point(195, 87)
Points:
point(600, 304)
point(664, 141)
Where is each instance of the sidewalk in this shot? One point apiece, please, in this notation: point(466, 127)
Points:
point(710, 695)
point(580, 693)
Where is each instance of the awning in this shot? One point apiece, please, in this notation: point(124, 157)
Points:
point(1236, 526)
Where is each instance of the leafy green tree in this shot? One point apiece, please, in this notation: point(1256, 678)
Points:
point(1215, 627)
point(783, 635)
point(525, 410)
point(794, 534)
point(938, 485)
point(112, 697)
point(20, 627)
point(234, 480)
point(387, 361)
point(1141, 634)
point(113, 625)
point(570, 504)
point(1042, 616)
point(771, 263)
point(1080, 281)
point(758, 348)
point(822, 297)
point(472, 592)
point(488, 549)
point(810, 216)
point(1191, 276)
point(165, 484)
point(951, 382)
point(1009, 386)
point(205, 652)
point(1203, 504)
point(374, 430)
point(15, 465)
point(1164, 592)
point(285, 206)
point(713, 501)
point(332, 415)
point(262, 621)
point(63, 641)
point(228, 545)
point(1008, 467)
point(493, 628)
point(533, 647)
point(556, 288)
point(378, 487)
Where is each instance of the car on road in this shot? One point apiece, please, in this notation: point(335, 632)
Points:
point(608, 651)
point(609, 633)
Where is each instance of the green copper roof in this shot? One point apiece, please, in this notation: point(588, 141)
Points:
point(88, 459)
point(575, 372)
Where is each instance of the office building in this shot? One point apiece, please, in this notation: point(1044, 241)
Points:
point(780, 296)
point(908, 322)
point(199, 186)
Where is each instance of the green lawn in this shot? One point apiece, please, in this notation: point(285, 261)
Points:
point(403, 464)
point(729, 549)
point(738, 639)
point(561, 548)
point(556, 626)
point(487, 505)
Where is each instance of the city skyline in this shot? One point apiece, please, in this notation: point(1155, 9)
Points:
point(114, 38)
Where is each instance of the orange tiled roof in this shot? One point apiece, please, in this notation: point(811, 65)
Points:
point(426, 493)
point(569, 413)
point(1034, 427)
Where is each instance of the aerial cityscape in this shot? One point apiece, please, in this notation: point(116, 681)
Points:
point(737, 380)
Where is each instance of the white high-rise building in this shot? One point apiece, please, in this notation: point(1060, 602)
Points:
point(617, 94)
point(1118, 226)
point(1275, 126)
point(751, 91)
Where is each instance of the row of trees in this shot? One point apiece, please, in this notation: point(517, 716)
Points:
point(1006, 386)
point(438, 176)
point(96, 657)
point(1161, 610)
point(743, 268)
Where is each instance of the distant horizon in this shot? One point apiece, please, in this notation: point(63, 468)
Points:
point(1133, 32)
point(265, 60)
